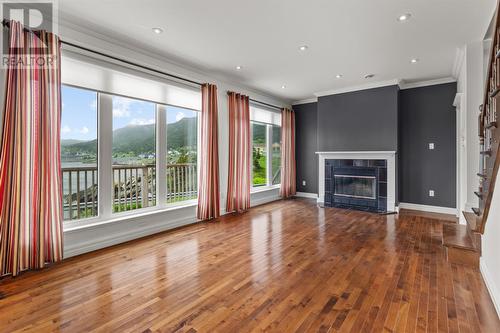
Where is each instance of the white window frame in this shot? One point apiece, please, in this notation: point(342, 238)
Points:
point(105, 163)
point(269, 155)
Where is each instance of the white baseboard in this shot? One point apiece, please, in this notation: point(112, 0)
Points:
point(427, 208)
point(490, 284)
point(264, 200)
point(307, 195)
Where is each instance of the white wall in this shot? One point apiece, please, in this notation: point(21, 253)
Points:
point(490, 262)
point(470, 83)
point(475, 83)
point(81, 239)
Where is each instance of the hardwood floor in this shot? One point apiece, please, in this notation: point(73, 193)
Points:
point(287, 266)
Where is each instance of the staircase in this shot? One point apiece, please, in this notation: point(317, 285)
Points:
point(463, 242)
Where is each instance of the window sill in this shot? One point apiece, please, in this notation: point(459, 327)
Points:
point(264, 188)
point(72, 226)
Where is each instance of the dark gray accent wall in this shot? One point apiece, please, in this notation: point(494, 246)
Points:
point(361, 120)
point(306, 145)
point(428, 116)
point(386, 118)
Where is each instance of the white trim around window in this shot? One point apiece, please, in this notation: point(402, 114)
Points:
point(105, 170)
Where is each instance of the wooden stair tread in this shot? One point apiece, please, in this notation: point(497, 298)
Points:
point(471, 219)
point(456, 235)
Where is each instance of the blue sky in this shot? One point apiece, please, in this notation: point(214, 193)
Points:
point(79, 115)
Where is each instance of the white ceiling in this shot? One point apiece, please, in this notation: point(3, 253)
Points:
point(348, 37)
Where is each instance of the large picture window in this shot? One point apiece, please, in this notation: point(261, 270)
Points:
point(79, 153)
point(266, 146)
point(259, 154)
point(276, 154)
point(182, 154)
point(129, 140)
point(134, 154)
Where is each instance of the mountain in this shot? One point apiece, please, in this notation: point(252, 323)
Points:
point(70, 142)
point(259, 133)
point(182, 133)
point(138, 139)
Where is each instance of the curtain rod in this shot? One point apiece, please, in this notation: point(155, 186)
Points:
point(6, 24)
point(266, 104)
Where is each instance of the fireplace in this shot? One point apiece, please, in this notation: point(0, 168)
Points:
point(356, 184)
point(386, 181)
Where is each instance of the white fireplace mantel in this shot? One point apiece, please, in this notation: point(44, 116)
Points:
point(390, 156)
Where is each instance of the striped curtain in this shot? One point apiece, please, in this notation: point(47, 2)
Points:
point(288, 182)
point(238, 182)
point(208, 189)
point(30, 165)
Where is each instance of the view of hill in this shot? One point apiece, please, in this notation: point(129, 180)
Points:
point(137, 139)
point(69, 142)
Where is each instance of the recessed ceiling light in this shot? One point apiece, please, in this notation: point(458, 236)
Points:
point(414, 60)
point(283, 87)
point(157, 30)
point(404, 17)
point(303, 47)
point(338, 76)
point(238, 68)
point(369, 76)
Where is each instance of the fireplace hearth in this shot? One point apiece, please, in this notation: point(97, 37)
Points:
point(356, 184)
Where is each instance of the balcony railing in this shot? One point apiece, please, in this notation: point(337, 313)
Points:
point(130, 191)
point(79, 192)
point(134, 186)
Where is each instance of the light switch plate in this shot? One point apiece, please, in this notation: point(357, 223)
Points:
point(431, 146)
point(431, 193)
point(303, 183)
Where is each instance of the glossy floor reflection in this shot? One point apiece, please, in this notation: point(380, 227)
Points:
point(287, 266)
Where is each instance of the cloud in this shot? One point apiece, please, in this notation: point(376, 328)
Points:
point(179, 116)
point(84, 130)
point(93, 104)
point(141, 121)
point(121, 107)
point(66, 129)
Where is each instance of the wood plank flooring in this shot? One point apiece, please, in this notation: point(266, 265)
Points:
point(287, 266)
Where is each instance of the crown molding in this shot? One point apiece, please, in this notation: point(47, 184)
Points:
point(306, 101)
point(457, 101)
point(427, 83)
point(402, 85)
point(372, 85)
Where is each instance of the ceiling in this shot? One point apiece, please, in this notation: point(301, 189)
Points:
point(348, 37)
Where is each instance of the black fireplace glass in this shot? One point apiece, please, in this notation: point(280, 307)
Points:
point(356, 186)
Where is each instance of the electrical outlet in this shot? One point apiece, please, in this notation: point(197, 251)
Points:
point(431, 193)
point(303, 183)
point(431, 146)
